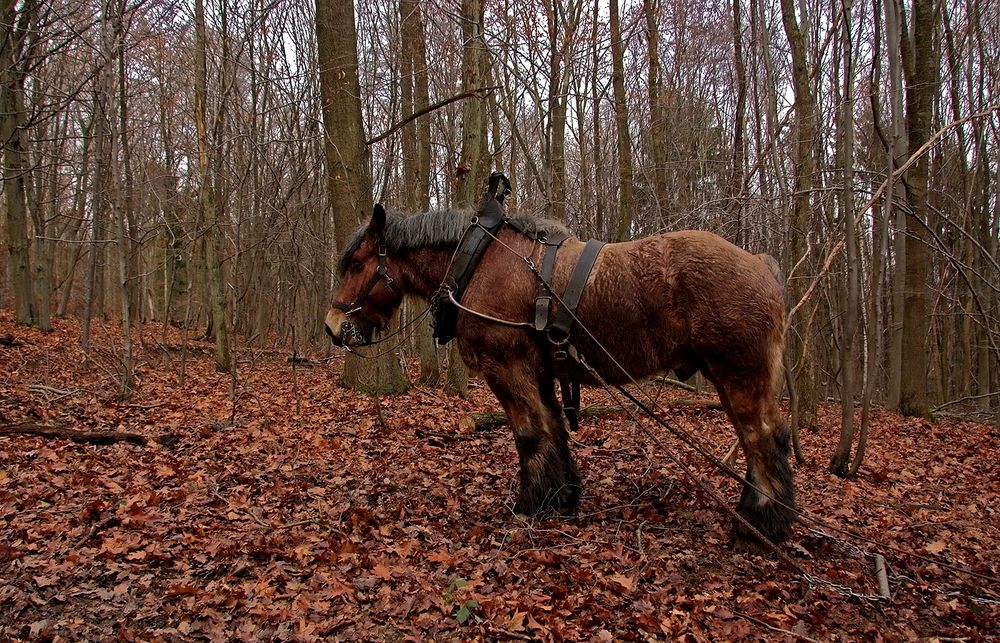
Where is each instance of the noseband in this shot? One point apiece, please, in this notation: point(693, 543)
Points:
point(381, 274)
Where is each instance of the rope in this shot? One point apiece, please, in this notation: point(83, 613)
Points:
point(702, 484)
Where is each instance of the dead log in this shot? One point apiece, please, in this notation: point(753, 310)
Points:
point(881, 576)
point(85, 437)
point(489, 420)
point(9, 341)
point(676, 383)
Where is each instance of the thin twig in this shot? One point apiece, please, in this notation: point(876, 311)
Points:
point(835, 252)
point(481, 92)
point(97, 526)
point(775, 628)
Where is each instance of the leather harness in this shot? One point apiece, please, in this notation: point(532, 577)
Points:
point(484, 227)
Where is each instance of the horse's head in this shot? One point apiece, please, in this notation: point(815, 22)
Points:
point(369, 294)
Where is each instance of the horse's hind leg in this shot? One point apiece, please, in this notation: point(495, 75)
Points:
point(549, 477)
point(765, 441)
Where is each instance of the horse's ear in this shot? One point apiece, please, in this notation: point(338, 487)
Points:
point(377, 224)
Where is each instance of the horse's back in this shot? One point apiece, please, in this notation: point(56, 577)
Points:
point(677, 299)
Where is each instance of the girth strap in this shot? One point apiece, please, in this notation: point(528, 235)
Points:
point(563, 323)
point(560, 329)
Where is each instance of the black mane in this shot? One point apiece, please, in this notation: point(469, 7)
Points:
point(436, 229)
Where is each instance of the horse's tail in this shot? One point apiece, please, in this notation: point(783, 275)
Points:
point(776, 349)
point(775, 268)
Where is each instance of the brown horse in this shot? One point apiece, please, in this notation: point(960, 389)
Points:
point(686, 301)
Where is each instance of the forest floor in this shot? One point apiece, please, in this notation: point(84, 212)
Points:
point(319, 514)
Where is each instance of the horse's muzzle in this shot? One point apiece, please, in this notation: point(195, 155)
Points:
point(343, 331)
point(334, 326)
point(336, 339)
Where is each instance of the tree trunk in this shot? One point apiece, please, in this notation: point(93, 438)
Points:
point(99, 127)
point(894, 190)
point(45, 198)
point(82, 185)
point(13, 26)
point(416, 155)
point(738, 169)
point(800, 224)
point(965, 346)
point(920, 69)
point(348, 171)
point(599, 230)
point(657, 135)
point(473, 164)
point(623, 225)
point(207, 195)
point(842, 456)
point(562, 23)
point(113, 48)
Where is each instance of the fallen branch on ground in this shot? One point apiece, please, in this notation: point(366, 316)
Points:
point(86, 437)
point(881, 576)
point(50, 393)
point(676, 384)
point(489, 420)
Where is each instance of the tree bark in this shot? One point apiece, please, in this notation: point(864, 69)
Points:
point(897, 148)
point(111, 47)
point(599, 230)
point(562, 22)
point(800, 224)
point(657, 141)
point(348, 171)
point(208, 200)
point(842, 456)
point(13, 29)
point(473, 165)
point(738, 169)
point(416, 154)
point(920, 70)
point(626, 203)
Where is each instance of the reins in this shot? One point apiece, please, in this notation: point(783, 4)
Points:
point(382, 340)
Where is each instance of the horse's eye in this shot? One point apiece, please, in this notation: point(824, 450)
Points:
point(356, 266)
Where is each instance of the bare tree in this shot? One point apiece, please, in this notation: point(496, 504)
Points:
point(348, 172)
point(473, 165)
point(623, 224)
point(920, 58)
point(15, 21)
point(800, 222)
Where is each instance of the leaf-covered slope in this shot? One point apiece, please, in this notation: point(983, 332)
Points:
point(322, 515)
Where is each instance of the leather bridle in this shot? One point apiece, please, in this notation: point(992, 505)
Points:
point(381, 275)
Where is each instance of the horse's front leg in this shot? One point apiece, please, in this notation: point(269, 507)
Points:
point(549, 477)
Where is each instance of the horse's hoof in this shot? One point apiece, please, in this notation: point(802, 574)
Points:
point(568, 499)
point(774, 523)
point(523, 508)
